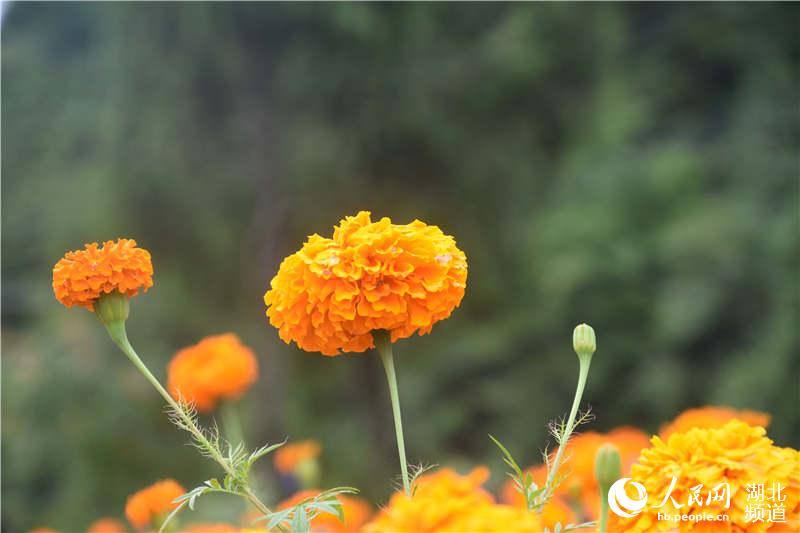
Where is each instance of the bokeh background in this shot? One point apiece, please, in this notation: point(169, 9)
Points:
point(632, 166)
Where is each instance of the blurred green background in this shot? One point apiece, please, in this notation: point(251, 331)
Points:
point(632, 166)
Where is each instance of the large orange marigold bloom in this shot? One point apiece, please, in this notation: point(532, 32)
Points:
point(152, 502)
point(331, 295)
point(288, 456)
point(736, 454)
point(712, 417)
point(216, 368)
point(356, 513)
point(81, 277)
point(107, 525)
point(448, 502)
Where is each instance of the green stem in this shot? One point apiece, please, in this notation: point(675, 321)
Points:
point(231, 423)
point(383, 344)
point(119, 335)
point(603, 510)
point(569, 428)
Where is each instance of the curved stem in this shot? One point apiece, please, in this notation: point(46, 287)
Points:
point(569, 428)
point(384, 346)
point(120, 337)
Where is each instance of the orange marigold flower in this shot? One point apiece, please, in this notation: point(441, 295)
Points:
point(81, 277)
point(152, 502)
point(441, 499)
point(495, 519)
point(107, 525)
point(712, 417)
point(216, 368)
point(288, 456)
point(736, 454)
point(356, 513)
point(332, 294)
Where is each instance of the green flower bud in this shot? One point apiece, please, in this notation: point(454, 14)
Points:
point(607, 466)
point(584, 341)
point(111, 308)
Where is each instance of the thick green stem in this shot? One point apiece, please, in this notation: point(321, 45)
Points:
point(603, 527)
point(570, 427)
point(119, 335)
point(384, 346)
point(231, 424)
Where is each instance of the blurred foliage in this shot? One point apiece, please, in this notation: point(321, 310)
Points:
point(632, 166)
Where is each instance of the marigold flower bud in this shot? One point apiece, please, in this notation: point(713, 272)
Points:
point(584, 341)
point(112, 308)
point(607, 465)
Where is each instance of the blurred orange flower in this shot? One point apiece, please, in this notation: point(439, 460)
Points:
point(107, 525)
point(152, 502)
point(356, 513)
point(332, 294)
point(736, 454)
point(43, 530)
point(712, 417)
point(288, 456)
point(82, 276)
point(446, 502)
point(216, 368)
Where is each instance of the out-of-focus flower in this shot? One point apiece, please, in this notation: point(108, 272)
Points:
point(448, 502)
point(579, 488)
point(356, 513)
point(82, 276)
point(332, 294)
point(216, 368)
point(107, 525)
point(712, 417)
point(210, 528)
point(152, 503)
point(734, 456)
point(43, 530)
point(288, 457)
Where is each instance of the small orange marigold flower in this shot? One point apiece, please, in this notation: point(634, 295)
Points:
point(712, 417)
point(217, 368)
point(152, 502)
point(331, 295)
point(356, 513)
point(288, 456)
point(441, 497)
point(736, 454)
point(107, 525)
point(82, 276)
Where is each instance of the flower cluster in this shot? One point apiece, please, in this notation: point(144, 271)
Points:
point(216, 368)
point(152, 503)
point(734, 456)
point(332, 294)
point(448, 502)
point(81, 277)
